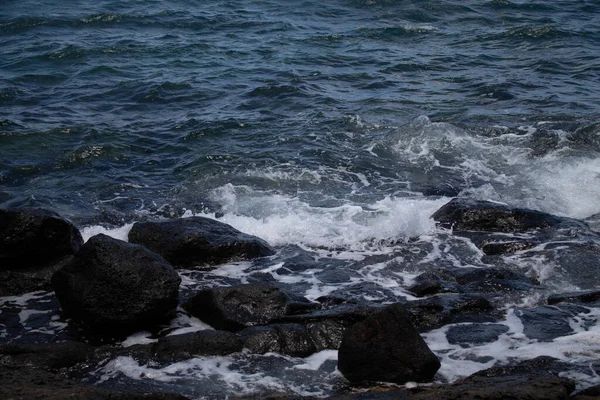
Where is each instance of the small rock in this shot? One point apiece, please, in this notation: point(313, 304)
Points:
point(198, 242)
point(386, 347)
point(243, 306)
point(111, 284)
point(475, 333)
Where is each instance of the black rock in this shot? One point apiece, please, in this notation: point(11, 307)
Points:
point(33, 245)
point(111, 284)
point(242, 306)
point(31, 383)
point(198, 242)
point(33, 237)
point(492, 280)
point(530, 380)
point(463, 214)
point(475, 333)
point(194, 344)
point(386, 347)
point(546, 323)
point(437, 311)
point(48, 356)
point(290, 339)
point(588, 296)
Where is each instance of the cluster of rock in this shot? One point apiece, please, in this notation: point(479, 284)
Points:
point(116, 286)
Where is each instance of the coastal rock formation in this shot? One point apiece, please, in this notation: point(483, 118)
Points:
point(531, 380)
point(462, 214)
point(386, 347)
point(113, 284)
point(33, 243)
point(198, 242)
point(235, 308)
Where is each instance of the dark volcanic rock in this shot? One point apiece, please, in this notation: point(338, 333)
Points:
point(463, 214)
point(588, 296)
point(242, 306)
point(475, 333)
point(386, 347)
point(531, 380)
point(49, 356)
point(197, 242)
point(113, 284)
point(546, 323)
point(291, 339)
point(471, 280)
point(194, 344)
point(32, 237)
point(443, 309)
point(33, 244)
point(30, 383)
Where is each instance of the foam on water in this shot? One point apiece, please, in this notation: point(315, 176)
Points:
point(284, 220)
point(241, 374)
point(580, 347)
point(117, 233)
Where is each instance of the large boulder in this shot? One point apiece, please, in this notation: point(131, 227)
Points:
point(33, 244)
point(32, 237)
point(113, 284)
point(462, 214)
point(386, 347)
point(198, 242)
point(238, 307)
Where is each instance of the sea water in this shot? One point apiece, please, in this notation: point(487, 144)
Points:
point(333, 130)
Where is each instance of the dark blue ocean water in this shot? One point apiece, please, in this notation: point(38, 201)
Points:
point(164, 101)
point(332, 129)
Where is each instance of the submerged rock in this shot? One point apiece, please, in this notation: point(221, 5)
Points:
point(235, 308)
point(33, 244)
point(386, 347)
point(463, 214)
point(198, 242)
point(111, 284)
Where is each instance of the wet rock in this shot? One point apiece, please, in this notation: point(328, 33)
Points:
point(587, 296)
point(462, 214)
point(593, 392)
point(111, 284)
point(31, 383)
point(33, 244)
point(505, 247)
point(33, 237)
point(194, 344)
point(443, 309)
point(198, 242)
point(386, 347)
point(15, 283)
point(492, 280)
point(49, 356)
point(475, 333)
point(546, 323)
point(243, 306)
point(290, 339)
point(471, 280)
point(531, 380)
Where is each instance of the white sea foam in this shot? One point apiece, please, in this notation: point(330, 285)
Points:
point(117, 233)
point(459, 360)
point(283, 220)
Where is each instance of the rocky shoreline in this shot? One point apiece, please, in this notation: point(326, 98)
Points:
point(108, 289)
